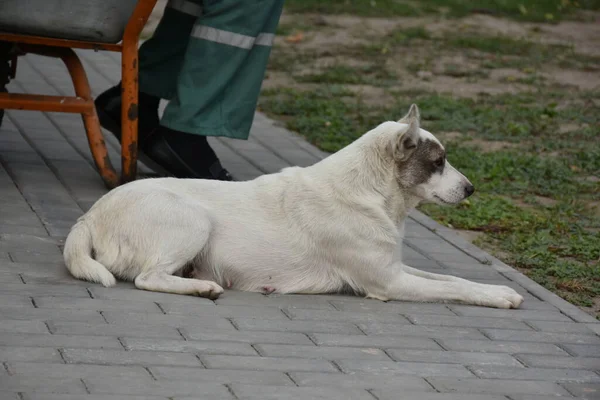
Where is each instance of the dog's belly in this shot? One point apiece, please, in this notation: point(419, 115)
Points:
point(268, 261)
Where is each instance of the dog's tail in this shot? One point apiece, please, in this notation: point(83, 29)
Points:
point(78, 257)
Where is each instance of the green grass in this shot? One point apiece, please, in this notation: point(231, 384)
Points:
point(524, 10)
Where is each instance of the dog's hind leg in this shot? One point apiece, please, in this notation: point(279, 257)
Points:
point(161, 279)
point(177, 239)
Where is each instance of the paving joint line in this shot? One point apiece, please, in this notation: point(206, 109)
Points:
point(103, 316)
point(120, 340)
point(62, 355)
point(337, 366)
point(230, 390)
point(149, 372)
point(85, 386)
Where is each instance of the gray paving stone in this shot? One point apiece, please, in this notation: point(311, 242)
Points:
point(21, 326)
point(256, 363)
point(122, 357)
point(249, 337)
point(488, 346)
point(327, 339)
point(96, 304)
point(155, 388)
point(540, 337)
point(34, 257)
point(223, 311)
point(60, 371)
point(53, 396)
point(549, 374)
point(454, 357)
point(521, 315)
point(20, 383)
point(42, 244)
point(252, 324)
point(594, 328)
point(590, 391)
point(452, 257)
point(542, 361)
point(176, 321)
point(39, 314)
point(583, 350)
point(35, 340)
point(30, 290)
point(405, 368)
point(561, 327)
point(221, 376)
point(232, 297)
point(29, 354)
point(497, 386)
point(42, 290)
point(534, 397)
point(135, 330)
point(253, 392)
point(343, 316)
point(328, 353)
point(392, 394)
point(15, 300)
point(189, 346)
point(431, 332)
point(392, 307)
point(362, 380)
point(473, 322)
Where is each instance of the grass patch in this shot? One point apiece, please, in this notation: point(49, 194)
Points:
point(523, 10)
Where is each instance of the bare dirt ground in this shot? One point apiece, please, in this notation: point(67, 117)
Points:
point(426, 64)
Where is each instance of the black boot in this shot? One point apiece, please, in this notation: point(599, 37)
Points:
point(5, 56)
point(108, 107)
point(184, 155)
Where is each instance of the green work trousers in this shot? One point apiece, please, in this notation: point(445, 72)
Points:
point(208, 57)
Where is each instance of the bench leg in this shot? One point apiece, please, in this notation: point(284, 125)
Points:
point(90, 118)
point(129, 110)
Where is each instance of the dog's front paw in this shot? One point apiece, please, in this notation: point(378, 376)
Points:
point(501, 297)
point(208, 289)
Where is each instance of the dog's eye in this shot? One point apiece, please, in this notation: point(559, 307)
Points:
point(439, 162)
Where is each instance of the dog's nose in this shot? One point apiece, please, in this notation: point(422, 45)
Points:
point(469, 189)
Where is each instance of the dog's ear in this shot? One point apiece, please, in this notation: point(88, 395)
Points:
point(408, 140)
point(413, 114)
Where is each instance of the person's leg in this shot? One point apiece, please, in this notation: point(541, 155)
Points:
point(218, 85)
point(160, 59)
point(5, 56)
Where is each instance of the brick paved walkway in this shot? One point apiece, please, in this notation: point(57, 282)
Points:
point(65, 339)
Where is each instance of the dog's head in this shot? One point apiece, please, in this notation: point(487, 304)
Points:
point(421, 166)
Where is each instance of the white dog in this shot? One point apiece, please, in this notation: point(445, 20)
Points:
point(324, 228)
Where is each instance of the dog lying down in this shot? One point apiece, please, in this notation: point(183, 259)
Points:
point(321, 229)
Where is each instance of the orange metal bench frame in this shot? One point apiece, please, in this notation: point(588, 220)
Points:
point(83, 103)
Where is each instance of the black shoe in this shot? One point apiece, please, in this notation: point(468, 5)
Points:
point(108, 107)
point(184, 155)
